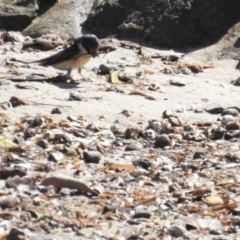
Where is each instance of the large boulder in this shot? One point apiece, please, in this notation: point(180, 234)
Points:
point(63, 19)
point(165, 23)
point(17, 14)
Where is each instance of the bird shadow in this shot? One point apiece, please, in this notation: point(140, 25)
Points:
point(59, 81)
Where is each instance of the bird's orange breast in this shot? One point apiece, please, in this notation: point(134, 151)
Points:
point(73, 63)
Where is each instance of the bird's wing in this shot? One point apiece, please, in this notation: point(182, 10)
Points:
point(69, 53)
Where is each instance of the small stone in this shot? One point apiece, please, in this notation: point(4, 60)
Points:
point(133, 147)
point(92, 156)
point(231, 134)
point(162, 141)
point(175, 121)
point(213, 200)
point(55, 157)
point(75, 96)
point(143, 163)
point(56, 111)
point(149, 134)
point(43, 143)
point(2, 184)
point(215, 232)
point(188, 128)
point(16, 234)
point(106, 69)
point(226, 119)
point(213, 108)
point(230, 111)
point(236, 211)
point(218, 133)
point(178, 229)
point(154, 124)
point(186, 71)
point(141, 214)
point(197, 155)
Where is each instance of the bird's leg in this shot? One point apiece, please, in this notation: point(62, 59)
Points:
point(68, 75)
point(80, 72)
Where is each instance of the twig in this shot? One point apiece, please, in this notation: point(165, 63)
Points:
point(131, 46)
point(49, 104)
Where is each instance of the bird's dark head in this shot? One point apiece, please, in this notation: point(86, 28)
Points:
point(89, 43)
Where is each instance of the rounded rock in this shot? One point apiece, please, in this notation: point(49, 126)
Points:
point(92, 156)
point(162, 141)
point(230, 111)
point(226, 119)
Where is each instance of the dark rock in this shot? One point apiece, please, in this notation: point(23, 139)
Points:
point(43, 143)
point(16, 234)
point(143, 163)
point(218, 133)
point(56, 111)
point(162, 141)
point(197, 155)
point(231, 134)
point(164, 23)
point(55, 156)
point(92, 156)
point(144, 214)
point(17, 15)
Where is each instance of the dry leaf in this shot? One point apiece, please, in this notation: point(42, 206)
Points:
point(114, 77)
point(148, 71)
point(146, 200)
point(137, 92)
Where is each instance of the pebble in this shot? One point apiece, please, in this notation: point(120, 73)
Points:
point(199, 154)
point(133, 147)
point(213, 108)
point(178, 229)
point(55, 157)
point(162, 141)
point(230, 111)
point(226, 119)
point(186, 71)
point(43, 143)
point(144, 214)
point(143, 163)
point(149, 134)
point(16, 234)
point(56, 111)
point(106, 69)
point(75, 96)
point(213, 200)
point(231, 134)
point(154, 124)
point(92, 156)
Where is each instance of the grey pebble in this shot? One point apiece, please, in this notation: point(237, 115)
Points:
point(230, 111)
point(213, 108)
point(226, 119)
point(92, 156)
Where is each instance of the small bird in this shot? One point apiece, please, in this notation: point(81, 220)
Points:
point(74, 57)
